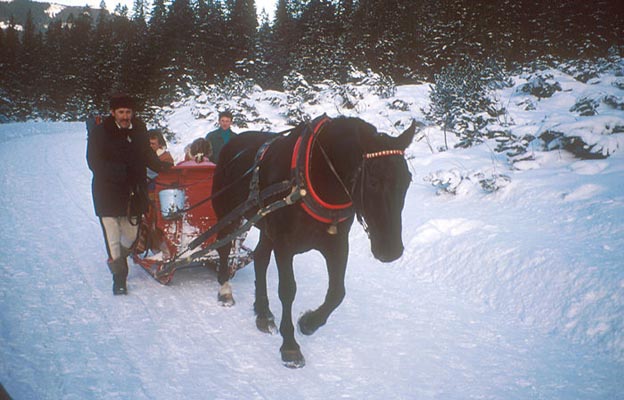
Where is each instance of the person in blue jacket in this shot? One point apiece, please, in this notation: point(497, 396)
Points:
point(219, 138)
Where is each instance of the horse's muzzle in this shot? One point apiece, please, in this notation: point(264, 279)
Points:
point(387, 253)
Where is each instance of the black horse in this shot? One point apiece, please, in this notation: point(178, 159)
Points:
point(328, 171)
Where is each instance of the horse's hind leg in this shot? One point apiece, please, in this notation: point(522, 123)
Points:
point(291, 353)
point(336, 260)
point(265, 321)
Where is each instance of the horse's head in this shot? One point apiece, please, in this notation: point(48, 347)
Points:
point(379, 193)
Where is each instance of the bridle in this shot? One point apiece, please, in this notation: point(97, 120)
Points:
point(361, 175)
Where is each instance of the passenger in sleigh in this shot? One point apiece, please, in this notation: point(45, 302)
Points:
point(158, 144)
point(199, 151)
point(221, 136)
point(151, 238)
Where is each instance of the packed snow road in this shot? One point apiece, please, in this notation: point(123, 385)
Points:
point(399, 334)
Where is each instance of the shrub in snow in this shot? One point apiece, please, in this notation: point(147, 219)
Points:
point(273, 98)
point(618, 83)
point(232, 93)
point(614, 102)
point(594, 138)
point(588, 105)
point(585, 106)
point(233, 86)
point(527, 104)
point(540, 85)
point(399, 105)
point(512, 145)
point(347, 97)
point(298, 91)
point(581, 70)
point(456, 182)
point(462, 100)
point(378, 84)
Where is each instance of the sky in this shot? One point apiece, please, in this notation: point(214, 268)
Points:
point(268, 5)
point(510, 294)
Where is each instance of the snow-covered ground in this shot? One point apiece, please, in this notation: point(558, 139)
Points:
point(511, 294)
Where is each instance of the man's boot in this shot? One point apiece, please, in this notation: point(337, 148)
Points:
point(119, 269)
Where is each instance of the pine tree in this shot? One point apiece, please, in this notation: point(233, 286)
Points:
point(316, 54)
point(121, 10)
point(3, 52)
point(103, 71)
point(138, 70)
point(51, 69)
point(461, 102)
point(261, 69)
point(157, 47)
point(76, 62)
point(5, 106)
point(179, 68)
point(210, 41)
point(9, 70)
point(10, 54)
point(138, 10)
point(242, 30)
point(278, 53)
point(122, 57)
point(28, 74)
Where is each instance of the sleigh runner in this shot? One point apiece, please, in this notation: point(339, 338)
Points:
point(180, 211)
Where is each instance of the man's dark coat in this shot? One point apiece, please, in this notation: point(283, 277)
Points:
point(118, 158)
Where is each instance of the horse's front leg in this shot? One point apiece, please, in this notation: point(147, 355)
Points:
point(336, 259)
point(265, 321)
point(225, 296)
point(291, 354)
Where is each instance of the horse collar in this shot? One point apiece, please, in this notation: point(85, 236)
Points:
point(312, 203)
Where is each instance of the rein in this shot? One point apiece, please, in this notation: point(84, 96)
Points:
point(253, 169)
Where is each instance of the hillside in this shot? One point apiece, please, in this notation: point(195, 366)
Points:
point(42, 13)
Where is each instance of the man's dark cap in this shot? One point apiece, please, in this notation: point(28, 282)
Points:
point(121, 101)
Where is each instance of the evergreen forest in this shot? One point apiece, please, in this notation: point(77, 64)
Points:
point(161, 51)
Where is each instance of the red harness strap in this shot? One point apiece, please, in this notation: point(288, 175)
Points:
point(312, 203)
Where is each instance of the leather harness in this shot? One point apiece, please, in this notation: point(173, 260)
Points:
point(312, 203)
point(300, 190)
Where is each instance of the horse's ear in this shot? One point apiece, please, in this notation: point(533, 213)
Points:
point(405, 139)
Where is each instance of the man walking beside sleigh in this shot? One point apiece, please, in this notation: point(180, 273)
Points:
point(118, 152)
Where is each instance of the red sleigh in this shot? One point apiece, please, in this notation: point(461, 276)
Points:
point(180, 210)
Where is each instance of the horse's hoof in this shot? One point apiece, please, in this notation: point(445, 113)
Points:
point(306, 324)
point(225, 297)
point(293, 359)
point(266, 325)
point(226, 301)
